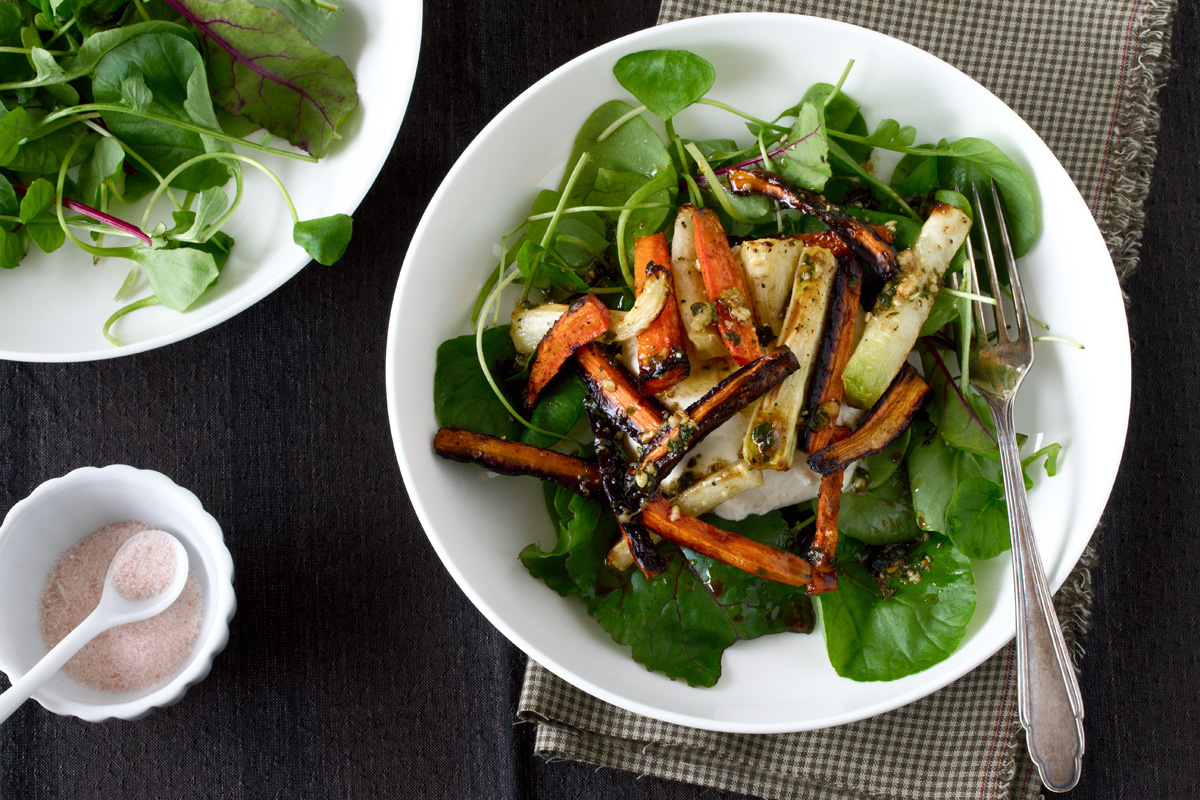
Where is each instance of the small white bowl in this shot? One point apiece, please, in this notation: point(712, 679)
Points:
point(62, 512)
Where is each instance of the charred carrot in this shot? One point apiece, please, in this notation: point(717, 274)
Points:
point(585, 320)
point(616, 395)
point(726, 288)
point(662, 347)
point(517, 458)
point(858, 236)
point(665, 519)
point(612, 468)
point(682, 431)
point(825, 396)
point(886, 421)
point(829, 504)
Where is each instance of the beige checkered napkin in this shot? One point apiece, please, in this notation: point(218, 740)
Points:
point(1084, 74)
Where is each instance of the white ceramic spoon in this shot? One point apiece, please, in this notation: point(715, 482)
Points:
point(114, 609)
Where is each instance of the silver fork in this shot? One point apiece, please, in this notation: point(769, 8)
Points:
point(1047, 692)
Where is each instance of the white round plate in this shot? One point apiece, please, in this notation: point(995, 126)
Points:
point(478, 523)
point(53, 307)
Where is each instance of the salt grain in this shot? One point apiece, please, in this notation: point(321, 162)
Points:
point(144, 566)
point(129, 657)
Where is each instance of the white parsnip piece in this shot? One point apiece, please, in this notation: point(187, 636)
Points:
point(903, 306)
point(770, 267)
point(695, 308)
point(770, 441)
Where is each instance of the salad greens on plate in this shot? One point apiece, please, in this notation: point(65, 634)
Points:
point(113, 109)
point(895, 487)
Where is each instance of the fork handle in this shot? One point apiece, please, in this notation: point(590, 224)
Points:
point(1048, 696)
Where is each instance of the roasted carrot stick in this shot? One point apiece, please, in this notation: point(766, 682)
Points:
point(860, 238)
point(684, 430)
point(517, 458)
point(726, 287)
point(612, 473)
point(585, 320)
point(613, 389)
point(829, 504)
point(665, 519)
point(662, 347)
point(825, 395)
point(886, 420)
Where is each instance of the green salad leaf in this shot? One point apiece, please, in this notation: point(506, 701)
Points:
point(461, 394)
point(900, 616)
point(665, 81)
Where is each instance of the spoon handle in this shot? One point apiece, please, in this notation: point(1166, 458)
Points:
point(52, 662)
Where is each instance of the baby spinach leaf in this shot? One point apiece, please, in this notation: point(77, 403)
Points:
point(312, 20)
point(936, 470)
point(665, 81)
point(633, 147)
point(105, 162)
point(915, 175)
point(883, 515)
point(13, 247)
point(842, 113)
point(261, 66)
point(46, 233)
point(945, 310)
point(963, 419)
point(37, 199)
point(461, 394)
point(10, 206)
point(179, 275)
point(557, 410)
point(977, 518)
point(882, 465)
point(978, 161)
point(881, 629)
point(680, 622)
point(167, 65)
point(324, 238)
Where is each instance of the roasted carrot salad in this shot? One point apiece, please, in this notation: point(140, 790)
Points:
point(741, 369)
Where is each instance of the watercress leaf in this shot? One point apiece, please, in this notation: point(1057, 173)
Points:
point(106, 162)
point(805, 162)
point(218, 246)
point(209, 208)
point(10, 206)
point(963, 419)
point(978, 161)
point(37, 199)
point(461, 394)
point(312, 20)
point(136, 94)
point(1051, 452)
point(977, 518)
point(915, 620)
point(324, 238)
point(167, 65)
point(46, 234)
point(13, 247)
point(632, 147)
point(262, 66)
point(842, 113)
point(883, 515)
point(178, 276)
point(665, 81)
point(558, 408)
point(936, 470)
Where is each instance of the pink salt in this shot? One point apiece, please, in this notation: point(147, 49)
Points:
point(129, 657)
point(144, 566)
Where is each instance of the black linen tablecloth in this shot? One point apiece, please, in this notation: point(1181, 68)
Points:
point(356, 667)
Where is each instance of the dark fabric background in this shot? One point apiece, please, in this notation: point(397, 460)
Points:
point(356, 667)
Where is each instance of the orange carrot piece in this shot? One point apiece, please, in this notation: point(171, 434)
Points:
point(726, 288)
point(665, 519)
point(615, 394)
point(585, 320)
point(827, 391)
point(661, 348)
point(517, 458)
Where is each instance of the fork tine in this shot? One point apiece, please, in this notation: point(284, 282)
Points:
point(973, 287)
point(1018, 295)
point(997, 289)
